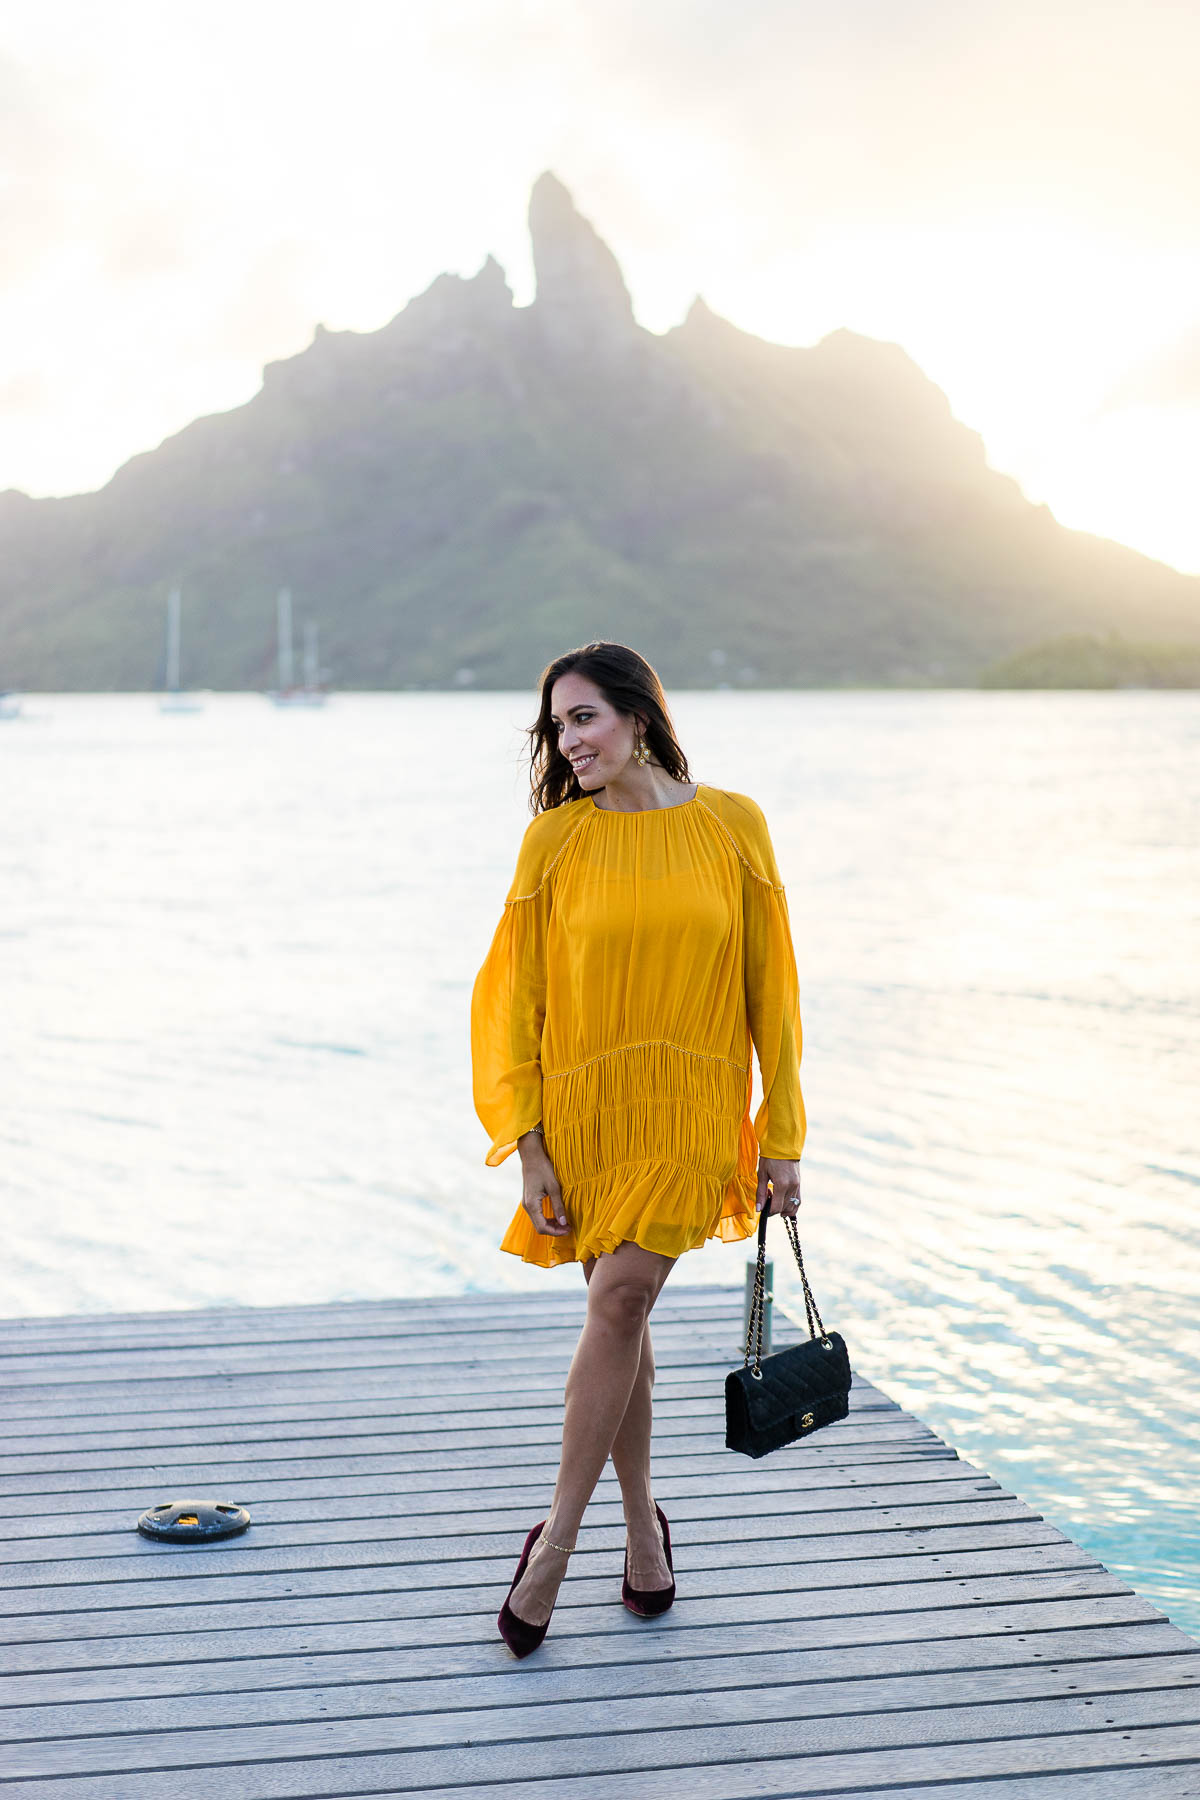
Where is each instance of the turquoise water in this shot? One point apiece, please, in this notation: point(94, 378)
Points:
point(237, 949)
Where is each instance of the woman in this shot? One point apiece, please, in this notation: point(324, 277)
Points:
point(645, 940)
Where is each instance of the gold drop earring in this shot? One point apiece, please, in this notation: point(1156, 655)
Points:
point(641, 753)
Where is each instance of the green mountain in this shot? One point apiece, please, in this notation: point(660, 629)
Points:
point(1084, 661)
point(477, 486)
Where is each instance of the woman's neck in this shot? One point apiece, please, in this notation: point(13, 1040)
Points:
point(643, 790)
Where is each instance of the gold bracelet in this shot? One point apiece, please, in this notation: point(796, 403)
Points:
point(551, 1546)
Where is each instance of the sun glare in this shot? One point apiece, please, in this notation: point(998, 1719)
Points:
point(1026, 327)
point(1130, 475)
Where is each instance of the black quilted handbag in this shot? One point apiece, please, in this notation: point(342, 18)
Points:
point(772, 1402)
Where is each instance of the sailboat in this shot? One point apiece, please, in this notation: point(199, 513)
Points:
point(310, 692)
point(173, 701)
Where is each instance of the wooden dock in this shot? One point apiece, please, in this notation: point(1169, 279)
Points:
point(862, 1613)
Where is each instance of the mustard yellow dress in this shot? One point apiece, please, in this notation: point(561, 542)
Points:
point(638, 956)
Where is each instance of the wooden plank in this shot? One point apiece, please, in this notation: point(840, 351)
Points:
point(564, 1673)
point(396, 1545)
point(170, 1566)
point(746, 1767)
point(713, 1597)
point(680, 1295)
point(403, 1518)
point(413, 1341)
point(295, 1395)
point(312, 1370)
point(333, 1328)
point(418, 1475)
point(468, 1711)
point(594, 1635)
point(475, 1430)
point(496, 1454)
point(480, 1450)
point(252, 1403)
point(494, 1461)
point(344, 1496)
point(102, 1510)
point(236, 1386)
point(1145, 1782)
point(743, 1727)
point(423, 1434)
point(452, 1420)
point(393, 1475)
point(209, 1562)
point(791, 1599)
point(359, 1566)
point(478, 1584)
point(47, 1564)
point(29, 1425)
point(363, 1434)
point(823, 1560)
point(446, 1387)
point(135, 1430)
point(508, 1343)
point(504, 1341)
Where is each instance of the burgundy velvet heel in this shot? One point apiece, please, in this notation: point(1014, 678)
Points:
point(520, 1636)
point(647, 1603)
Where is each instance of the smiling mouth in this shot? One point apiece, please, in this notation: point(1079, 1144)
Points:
point(584, 762)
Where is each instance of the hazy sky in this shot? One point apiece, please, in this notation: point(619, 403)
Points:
point(1010, 190)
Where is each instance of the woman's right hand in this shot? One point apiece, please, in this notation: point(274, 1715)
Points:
point(540, 1181)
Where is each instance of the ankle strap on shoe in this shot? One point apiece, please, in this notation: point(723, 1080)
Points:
point(566, 1549)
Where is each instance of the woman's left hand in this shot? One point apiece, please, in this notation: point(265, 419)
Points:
point(784, 1178)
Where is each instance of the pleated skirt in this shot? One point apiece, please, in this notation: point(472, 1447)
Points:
point(652, 1144)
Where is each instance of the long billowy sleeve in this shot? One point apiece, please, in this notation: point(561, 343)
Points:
point(508, 1007)
point(773, 1003)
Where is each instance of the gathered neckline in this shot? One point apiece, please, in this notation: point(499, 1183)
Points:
point(617, 813)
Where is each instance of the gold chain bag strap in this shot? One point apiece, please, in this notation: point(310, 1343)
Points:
point(772, 1401)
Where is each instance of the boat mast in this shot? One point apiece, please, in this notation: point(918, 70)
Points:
point(173, 602)
point(311, 668)
point(284, 621)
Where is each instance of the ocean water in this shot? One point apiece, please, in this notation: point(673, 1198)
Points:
point(237, 950)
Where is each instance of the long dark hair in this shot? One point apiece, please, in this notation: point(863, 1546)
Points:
point(630, 685)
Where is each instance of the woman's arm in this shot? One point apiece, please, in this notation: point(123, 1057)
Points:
point(508, 1009)
point(539, 1182)
point(773, 1014)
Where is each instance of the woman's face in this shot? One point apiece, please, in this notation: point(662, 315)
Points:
point(587, 726)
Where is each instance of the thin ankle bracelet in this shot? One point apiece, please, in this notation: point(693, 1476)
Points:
point(564, 1548)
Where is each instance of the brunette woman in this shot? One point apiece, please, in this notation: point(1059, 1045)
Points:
point(644, 946)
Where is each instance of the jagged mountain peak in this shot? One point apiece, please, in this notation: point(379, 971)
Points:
point(485, 292)
point(700, 313)
point(580, 288)
point(701, 325)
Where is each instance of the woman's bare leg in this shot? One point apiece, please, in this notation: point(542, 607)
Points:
point(622, 1288)
point(631, 1459)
